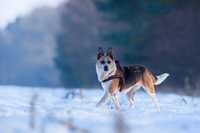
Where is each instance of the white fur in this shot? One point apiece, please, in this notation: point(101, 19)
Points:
point(161, 78)
point(99, 72)
point(106, 85)
point(133, 88)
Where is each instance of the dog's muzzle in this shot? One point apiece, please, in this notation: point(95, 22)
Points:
point(105, 68)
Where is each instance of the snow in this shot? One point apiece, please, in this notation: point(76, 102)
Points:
point(54, 112)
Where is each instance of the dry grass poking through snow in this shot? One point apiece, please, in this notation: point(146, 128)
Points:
point(23, 110)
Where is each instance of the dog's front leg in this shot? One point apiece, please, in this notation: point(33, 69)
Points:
point(103, 99)
point(115, 101)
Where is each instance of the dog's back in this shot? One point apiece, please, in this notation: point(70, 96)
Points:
point(134, 74)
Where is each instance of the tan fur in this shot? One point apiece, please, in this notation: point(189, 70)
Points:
point(114, 86)
point(148, 82)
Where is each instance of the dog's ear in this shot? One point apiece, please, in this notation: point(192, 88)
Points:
point(100, 53)
point(110, 53)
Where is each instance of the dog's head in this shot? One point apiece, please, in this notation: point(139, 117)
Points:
point(105, 63)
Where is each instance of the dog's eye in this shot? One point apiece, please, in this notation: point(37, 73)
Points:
point(109, 62)
point(102, 62)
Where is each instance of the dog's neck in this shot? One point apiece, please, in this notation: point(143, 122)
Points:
point(113, 72)
point(109, 74)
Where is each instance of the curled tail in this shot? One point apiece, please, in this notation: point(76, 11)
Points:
point(161, 78)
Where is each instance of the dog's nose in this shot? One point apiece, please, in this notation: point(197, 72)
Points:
point(105, 68)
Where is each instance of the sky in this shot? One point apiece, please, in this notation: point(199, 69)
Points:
point(11, 9)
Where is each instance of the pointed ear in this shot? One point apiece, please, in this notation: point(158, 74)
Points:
point(110, 53)
point(100, 53)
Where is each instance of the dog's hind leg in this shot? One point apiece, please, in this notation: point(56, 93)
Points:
point(103, 99)
point(151, 92)
point(130, 97)
point(130, 94)
point(155, 101)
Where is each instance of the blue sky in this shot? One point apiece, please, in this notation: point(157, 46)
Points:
point(10, 9)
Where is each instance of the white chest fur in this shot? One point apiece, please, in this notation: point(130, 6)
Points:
point(106, 85)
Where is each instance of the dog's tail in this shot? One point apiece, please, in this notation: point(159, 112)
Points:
point(161, 78)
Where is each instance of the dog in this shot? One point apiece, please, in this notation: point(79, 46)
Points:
point(128, 79)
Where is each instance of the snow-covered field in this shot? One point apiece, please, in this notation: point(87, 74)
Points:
point(51, 111)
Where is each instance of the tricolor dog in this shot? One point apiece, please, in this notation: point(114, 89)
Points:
point(128, 79)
